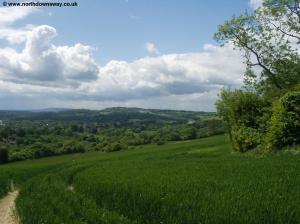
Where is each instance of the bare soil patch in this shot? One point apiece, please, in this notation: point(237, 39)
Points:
point(7, 208)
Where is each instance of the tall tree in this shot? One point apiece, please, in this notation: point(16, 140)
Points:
point(269, 38)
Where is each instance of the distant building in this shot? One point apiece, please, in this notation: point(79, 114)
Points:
point(1, 123)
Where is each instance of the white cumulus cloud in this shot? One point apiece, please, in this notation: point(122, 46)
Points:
point(171, 74)
point(39, 73)
point(41, 61)
point(10, 15)
point(151, 48)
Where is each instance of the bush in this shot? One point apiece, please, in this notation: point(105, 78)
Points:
point(113, 147)
point(23, 154)
point(116, 147)
point(40, 150)
point(73, 147)
point(160, 142)
point(245, 138)
point(189, 133)
point(284, 126)
point(244, 115)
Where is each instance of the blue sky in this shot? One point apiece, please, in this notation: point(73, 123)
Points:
point(135, 53)
point(119, 28)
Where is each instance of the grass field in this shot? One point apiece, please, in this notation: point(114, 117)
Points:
point(190, 182)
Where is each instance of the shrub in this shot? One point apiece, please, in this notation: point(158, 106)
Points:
point(23, 154)
point(73, 147)
point(116, 147)
point(189, 133)
point(284, 126)
point(245, 138)
point(160, 142)
point(113, 147)
point(244, 114)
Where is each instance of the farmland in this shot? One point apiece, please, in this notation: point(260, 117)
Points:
point(196, 181)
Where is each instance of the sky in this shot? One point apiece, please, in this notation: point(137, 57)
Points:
point(106, 53)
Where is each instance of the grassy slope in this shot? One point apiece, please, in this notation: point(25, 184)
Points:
point(181, 182)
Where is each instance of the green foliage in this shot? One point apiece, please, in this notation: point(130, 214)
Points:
point(73, 147)
point(245, 138)
point(243, 113)
point(116, 146)
point(189, 133)
point(291, 102)
point(29, 135)
point(265, 36)
point(284, 127)
point(160, 142)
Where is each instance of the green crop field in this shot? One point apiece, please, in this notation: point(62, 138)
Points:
point(198, 181)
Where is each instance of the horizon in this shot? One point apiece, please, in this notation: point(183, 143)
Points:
point(121, 53)
point(58, 109)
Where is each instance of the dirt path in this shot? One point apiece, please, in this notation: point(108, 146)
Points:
point(7, 208)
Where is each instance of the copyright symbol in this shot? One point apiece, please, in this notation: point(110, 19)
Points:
point(4, 3)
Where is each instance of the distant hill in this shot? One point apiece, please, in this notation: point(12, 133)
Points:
point(110, 115)
point(49, 110)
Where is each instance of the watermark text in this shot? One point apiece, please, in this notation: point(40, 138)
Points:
point(39, 4)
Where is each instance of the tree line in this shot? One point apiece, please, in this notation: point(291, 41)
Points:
point(22, 139)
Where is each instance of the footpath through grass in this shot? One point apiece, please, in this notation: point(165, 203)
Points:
point(189, 182)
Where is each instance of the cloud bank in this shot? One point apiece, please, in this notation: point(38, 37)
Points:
point(42, 74)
